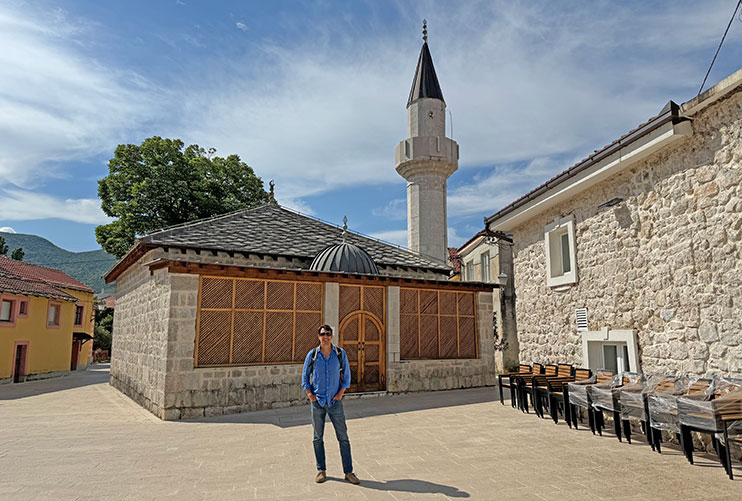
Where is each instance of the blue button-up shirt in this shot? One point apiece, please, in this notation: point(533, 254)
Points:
point(326, 377)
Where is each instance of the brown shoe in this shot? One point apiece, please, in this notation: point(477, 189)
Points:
point(351, 477)
point(321, 476)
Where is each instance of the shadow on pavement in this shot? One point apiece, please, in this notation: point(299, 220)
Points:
point(96, 374)
point(362, 407)
point(410, 485)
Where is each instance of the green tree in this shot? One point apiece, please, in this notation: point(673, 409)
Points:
point(103, 334)
point(17, 254)
point(3, 247)
point(161, 183)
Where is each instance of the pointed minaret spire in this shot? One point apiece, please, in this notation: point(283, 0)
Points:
point(426, 159)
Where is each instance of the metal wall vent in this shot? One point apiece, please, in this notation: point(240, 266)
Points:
point(581, 314)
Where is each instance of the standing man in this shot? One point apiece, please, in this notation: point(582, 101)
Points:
point(325, 378)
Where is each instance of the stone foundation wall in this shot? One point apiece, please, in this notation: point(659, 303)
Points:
point(140, 342)
point(665, 262)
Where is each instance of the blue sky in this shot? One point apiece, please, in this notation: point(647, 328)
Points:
point(313, 94)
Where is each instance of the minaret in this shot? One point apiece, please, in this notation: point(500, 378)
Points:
point(426, 159)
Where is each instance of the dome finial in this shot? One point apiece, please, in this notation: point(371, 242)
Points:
point(425, 31)
point(345, 226)
point(271, 193)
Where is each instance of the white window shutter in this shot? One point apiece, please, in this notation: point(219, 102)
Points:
point(581, 314)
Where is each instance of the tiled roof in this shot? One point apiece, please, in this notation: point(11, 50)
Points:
point(454, 259)
point(41, 273)
point(16, 285)
point(274, 230)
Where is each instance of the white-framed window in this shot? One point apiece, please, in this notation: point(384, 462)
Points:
point(561, 254)
point(615, 350)
point(6, 310)
point(469, 271)
point(485, 258)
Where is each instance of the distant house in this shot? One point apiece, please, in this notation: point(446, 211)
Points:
point(631, 259)
point(46, 322)
point(216, 316)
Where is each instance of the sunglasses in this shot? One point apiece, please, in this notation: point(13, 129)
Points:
point(329, 334)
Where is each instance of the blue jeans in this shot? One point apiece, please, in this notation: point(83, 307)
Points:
point(337, 416)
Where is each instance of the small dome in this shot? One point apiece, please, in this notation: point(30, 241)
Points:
point(345, 258)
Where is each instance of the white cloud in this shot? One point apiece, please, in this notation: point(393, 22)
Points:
point(396, 237)
point(57, 104)
point(522, 80)
point(241, 26)
point(7, 229)
point(394, 210)
point(454, 239)
point(21, 205)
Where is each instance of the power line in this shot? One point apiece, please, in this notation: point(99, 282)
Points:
point(719, 48)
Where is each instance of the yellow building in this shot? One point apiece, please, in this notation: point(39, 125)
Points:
point(46, 322)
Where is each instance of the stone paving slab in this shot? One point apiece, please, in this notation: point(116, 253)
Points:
point(78, 438)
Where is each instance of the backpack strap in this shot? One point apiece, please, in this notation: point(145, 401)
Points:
point(339, 353)
point(311, 364)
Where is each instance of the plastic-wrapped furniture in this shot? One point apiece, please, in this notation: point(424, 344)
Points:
point(711, 412)
point(510, 383)
point(540, 387)
point(579, 395)
point(634, 403)
point(525, 385)
point(607, 397)
point(663, 406)
point(559, 395)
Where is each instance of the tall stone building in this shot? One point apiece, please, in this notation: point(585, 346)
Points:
point(426, 159)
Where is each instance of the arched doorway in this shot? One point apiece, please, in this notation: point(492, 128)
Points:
point(362, 338)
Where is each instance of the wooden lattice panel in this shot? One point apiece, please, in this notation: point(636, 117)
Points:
point(448, 337)
point(372, 332)
point(408, 301)
point(428, 302)
point(264, 321)
point(278, 336)
point(466, 303)
point(249, 294)
point(467, 338)
point(447, 302)
point(306, 333)
point(350, 300)
point(373, 300)
point(429, 336)
point(216, 293)
point(213, 338)
point(436, 324)
point(247, 345)
point(408, 337)
point(280, 296)
point(308, 296)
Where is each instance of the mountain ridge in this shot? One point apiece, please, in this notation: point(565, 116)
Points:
point(87, 266)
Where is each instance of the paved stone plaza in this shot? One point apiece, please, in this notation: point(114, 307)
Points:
point(78, 438)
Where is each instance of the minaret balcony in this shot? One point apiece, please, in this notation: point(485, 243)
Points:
point(440, 152)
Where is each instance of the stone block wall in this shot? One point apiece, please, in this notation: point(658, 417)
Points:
point(153, 354)
point(665, 262)
point(139, 351)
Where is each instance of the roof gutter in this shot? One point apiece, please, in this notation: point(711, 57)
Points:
point(669, 125)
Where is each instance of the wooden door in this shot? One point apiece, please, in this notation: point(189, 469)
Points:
point(75, 355)
point(19, 364)
point(362, 338)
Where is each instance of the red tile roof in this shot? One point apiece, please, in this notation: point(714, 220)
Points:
point(454, 259)
point(41, 273)
point(17, 285)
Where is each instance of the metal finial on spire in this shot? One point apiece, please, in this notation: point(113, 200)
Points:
point(271, 193)
point(425, 30)
point(345, 226)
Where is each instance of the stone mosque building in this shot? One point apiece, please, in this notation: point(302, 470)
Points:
point(216, 316)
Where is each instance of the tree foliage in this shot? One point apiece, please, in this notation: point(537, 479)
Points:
point(103, 333)
point(17, 254)
point(161, 183)
point(3, 247)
